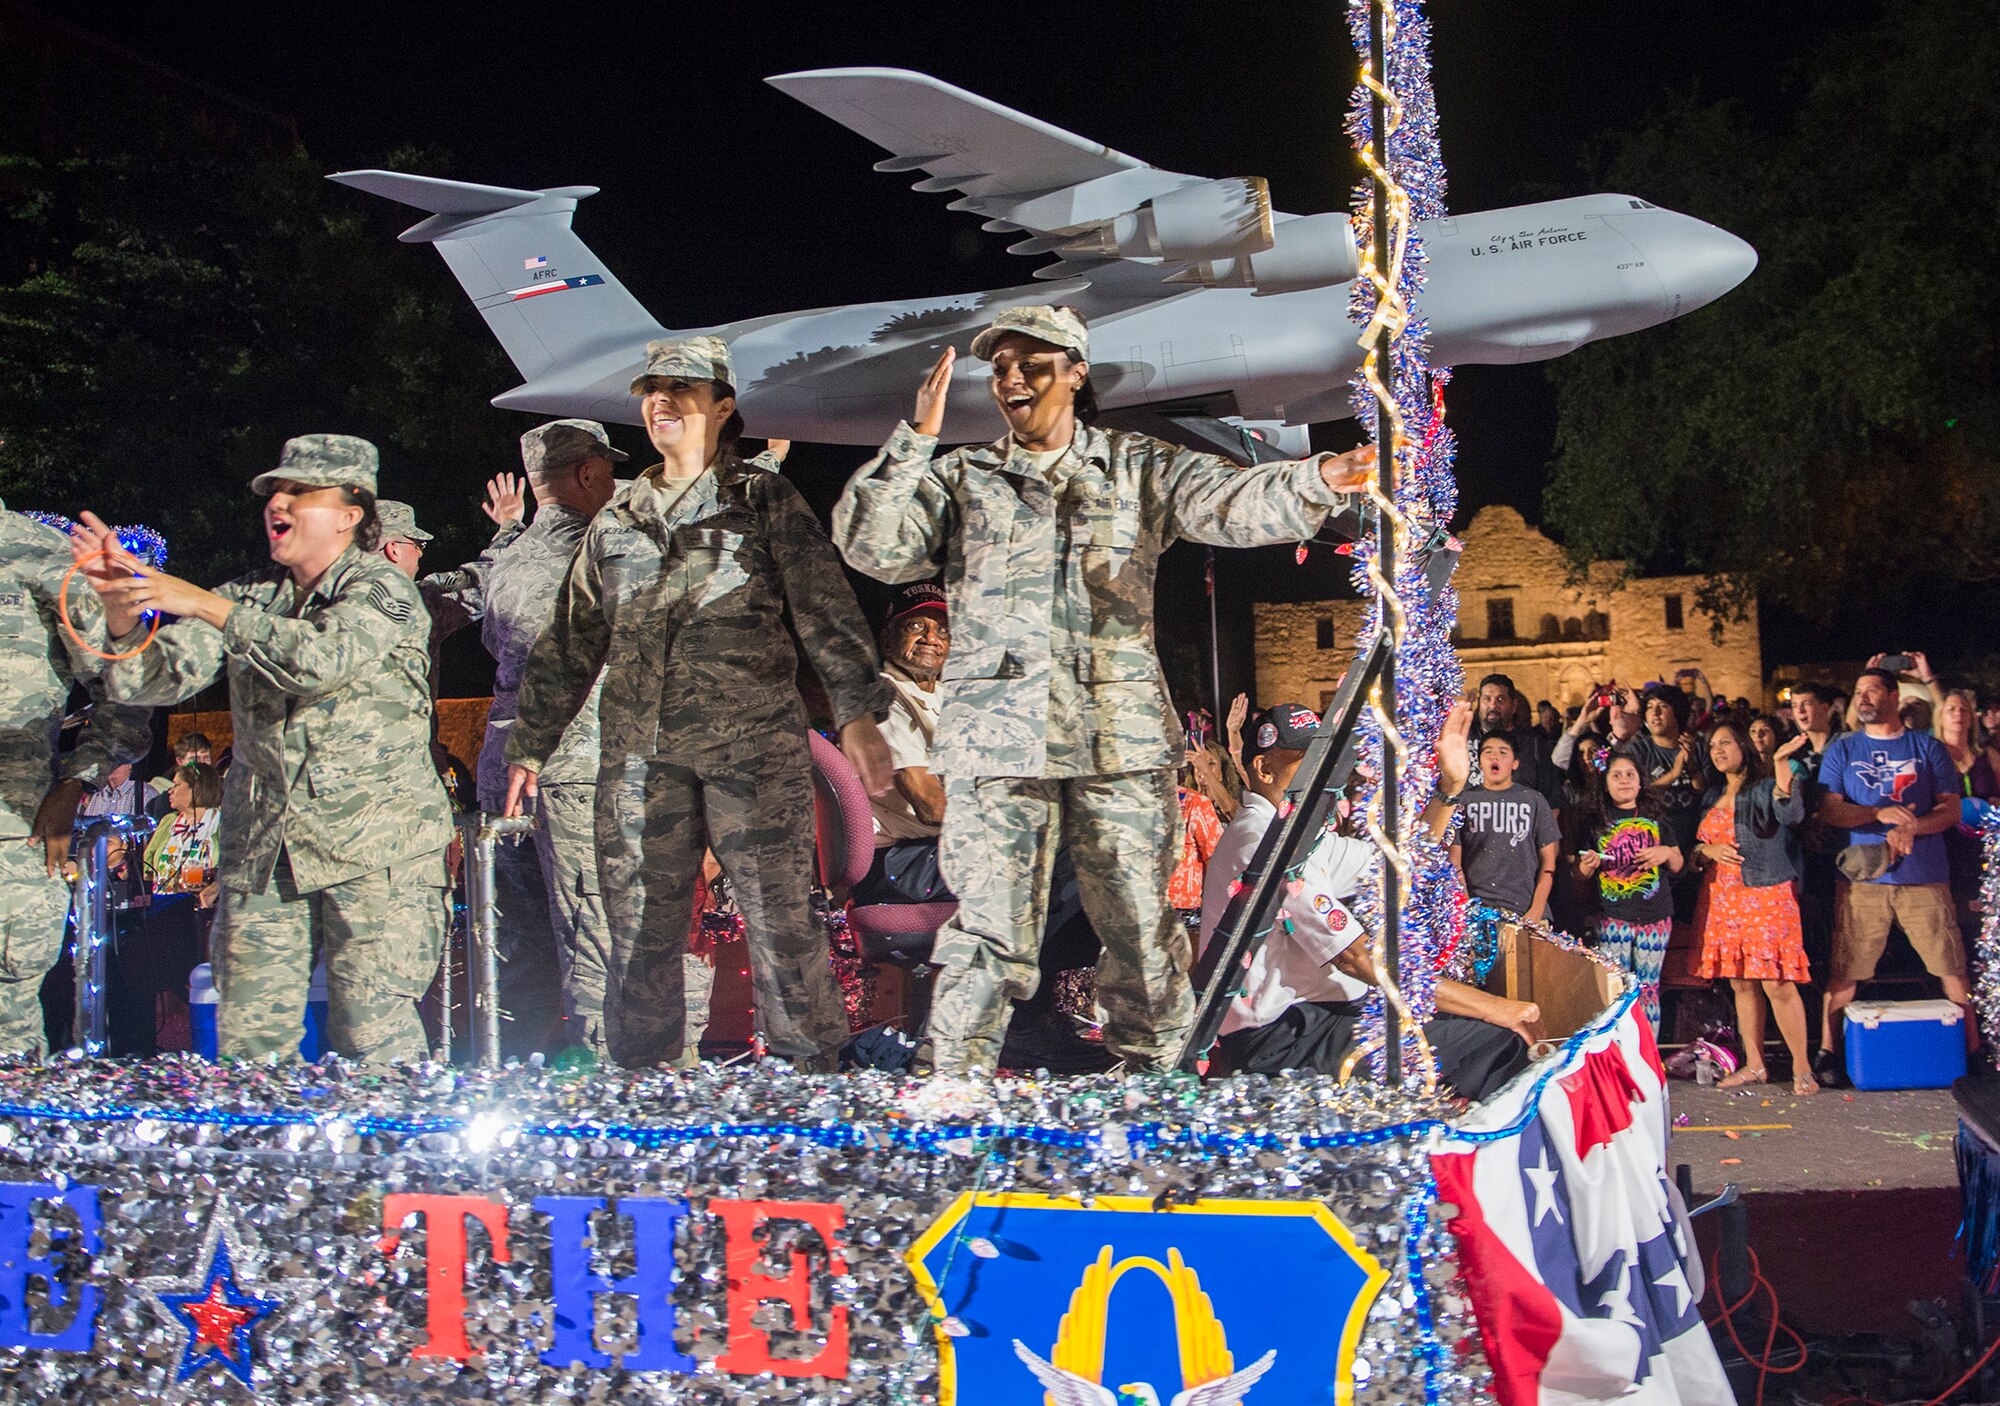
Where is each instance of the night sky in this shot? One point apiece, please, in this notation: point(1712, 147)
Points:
point(724, 199)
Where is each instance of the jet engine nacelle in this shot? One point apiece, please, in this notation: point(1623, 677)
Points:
point(1310, 251)
point(1226, 219)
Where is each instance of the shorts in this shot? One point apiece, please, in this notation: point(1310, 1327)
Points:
point(1862, 915)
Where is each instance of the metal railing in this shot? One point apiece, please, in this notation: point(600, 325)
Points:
point(94, 912)
point(481, 831)
point(95, 919)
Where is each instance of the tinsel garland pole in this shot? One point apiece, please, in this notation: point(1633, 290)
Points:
point(1416, 895)
point(1388, 439)
point(1986, 958)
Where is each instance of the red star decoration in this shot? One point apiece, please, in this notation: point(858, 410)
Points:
point(216, 1320)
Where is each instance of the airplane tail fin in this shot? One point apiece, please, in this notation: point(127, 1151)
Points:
point(547, 297)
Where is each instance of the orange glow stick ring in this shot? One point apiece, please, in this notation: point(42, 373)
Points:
point(62, 610)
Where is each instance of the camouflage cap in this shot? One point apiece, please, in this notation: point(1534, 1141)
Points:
point(690, 358)
point(322, 461)
point(560, 443)
point(1060, 327)
point(399, 520)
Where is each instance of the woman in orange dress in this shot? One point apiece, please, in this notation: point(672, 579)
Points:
point(1748, 912)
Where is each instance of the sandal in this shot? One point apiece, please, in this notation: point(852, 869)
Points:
point(1804, 1085)
point(1743, 1078)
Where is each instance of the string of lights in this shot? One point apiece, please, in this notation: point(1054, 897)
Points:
point(1419, 622)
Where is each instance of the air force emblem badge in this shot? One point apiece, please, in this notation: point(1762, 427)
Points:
point(1040, 1298)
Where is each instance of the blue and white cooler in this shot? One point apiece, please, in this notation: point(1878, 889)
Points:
point(1905, 1044)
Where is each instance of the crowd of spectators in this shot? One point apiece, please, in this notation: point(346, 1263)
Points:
point(1691, 838)
point(1775, 850)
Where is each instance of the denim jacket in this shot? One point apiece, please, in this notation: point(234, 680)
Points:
point(1771, 857)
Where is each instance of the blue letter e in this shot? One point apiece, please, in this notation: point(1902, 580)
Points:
point(17, 1266)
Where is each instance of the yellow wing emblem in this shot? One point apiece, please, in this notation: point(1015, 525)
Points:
point(1080, 1336)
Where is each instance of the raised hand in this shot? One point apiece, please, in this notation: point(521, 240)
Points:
point(89, 536)
point(931, 395)
point(1791, 748)
point(1454, 751)
point(506, 498)
point(144, 589)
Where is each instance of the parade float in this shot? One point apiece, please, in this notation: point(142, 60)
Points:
point(179, 1230)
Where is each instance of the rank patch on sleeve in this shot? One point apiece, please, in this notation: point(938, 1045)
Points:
point(386, 601)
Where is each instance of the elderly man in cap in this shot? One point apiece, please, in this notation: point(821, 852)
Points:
point(334, 823)
point(1056, 727)
point(678, 594)
point(39, 793)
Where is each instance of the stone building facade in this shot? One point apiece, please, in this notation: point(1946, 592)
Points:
point(1521, 615)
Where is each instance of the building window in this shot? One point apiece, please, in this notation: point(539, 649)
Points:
point(1500, 619)
point(1325, 626)
point(1673, 612)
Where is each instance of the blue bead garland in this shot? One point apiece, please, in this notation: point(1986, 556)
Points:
point(927, 1138)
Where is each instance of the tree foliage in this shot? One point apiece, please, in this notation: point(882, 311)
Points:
point(1825, 434)
point(180, 292)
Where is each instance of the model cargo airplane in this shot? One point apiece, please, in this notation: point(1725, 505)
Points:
point(1208, 309)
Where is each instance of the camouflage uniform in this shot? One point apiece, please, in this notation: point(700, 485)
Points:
point(1055, 727)
point(39, 666)
point(554, 935)
point(452, 598)
point(681, 604)
point(334, 822)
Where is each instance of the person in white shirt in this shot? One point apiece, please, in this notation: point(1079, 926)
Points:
point(1306, 986)
point(916, 640)
point(121, 794)
point(909, 816)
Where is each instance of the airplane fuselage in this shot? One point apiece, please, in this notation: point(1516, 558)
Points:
point(1526, 283)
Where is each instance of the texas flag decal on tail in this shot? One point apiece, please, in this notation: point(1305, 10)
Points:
point(536, 290)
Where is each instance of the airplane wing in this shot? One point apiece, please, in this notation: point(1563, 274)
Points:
point(1074, 197)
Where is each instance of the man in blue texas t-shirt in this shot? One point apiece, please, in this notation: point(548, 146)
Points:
point(1895, 792)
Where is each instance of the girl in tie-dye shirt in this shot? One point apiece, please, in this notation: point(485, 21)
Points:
point(1633, 864)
